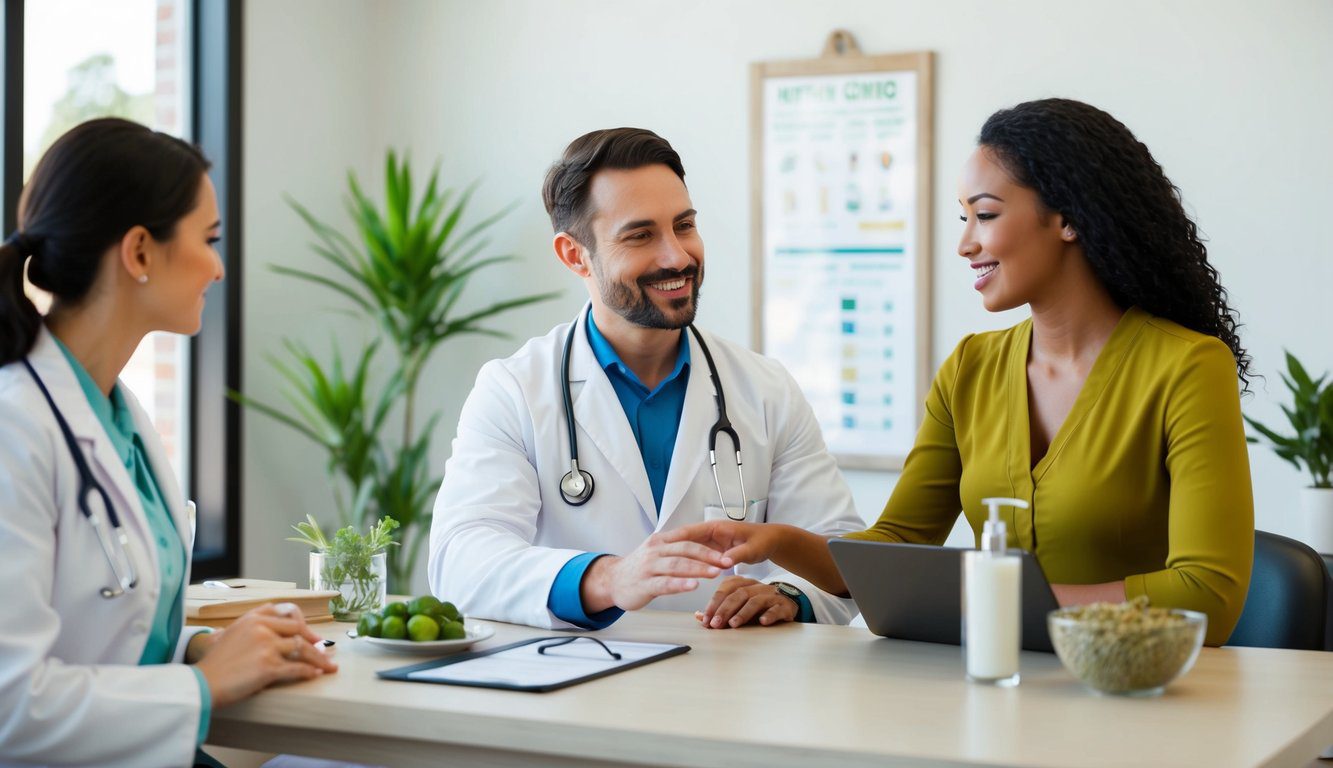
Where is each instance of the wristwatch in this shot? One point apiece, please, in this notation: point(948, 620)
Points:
point(790, 592)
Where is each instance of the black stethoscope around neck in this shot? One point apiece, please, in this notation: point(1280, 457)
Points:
point(577, 485)
point(122, 568)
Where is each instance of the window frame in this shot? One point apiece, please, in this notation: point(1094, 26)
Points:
point(215, 353)
point(215, 359)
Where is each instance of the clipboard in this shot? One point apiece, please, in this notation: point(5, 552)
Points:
point(537, 665)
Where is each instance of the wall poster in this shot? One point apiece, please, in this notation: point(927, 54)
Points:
point(841, 158)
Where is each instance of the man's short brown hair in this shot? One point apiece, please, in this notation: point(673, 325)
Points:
point(565, 191)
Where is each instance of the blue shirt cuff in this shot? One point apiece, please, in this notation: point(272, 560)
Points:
point(205, 704)
point(806, 613)
point(566, 601)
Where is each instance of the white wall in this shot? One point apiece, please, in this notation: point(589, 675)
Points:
point(1233, 97)
point(312, 106)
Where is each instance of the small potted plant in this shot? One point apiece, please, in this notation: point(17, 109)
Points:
point(355, 566)
point(1310, 449)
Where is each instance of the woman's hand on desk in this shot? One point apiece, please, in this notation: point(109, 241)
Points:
point(1082, 594)
point(263, 647)
point(740, 601)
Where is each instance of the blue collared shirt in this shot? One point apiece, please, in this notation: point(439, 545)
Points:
point(654, 417)
point(118, 423)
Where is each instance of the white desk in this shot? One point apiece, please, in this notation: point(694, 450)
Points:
point(802, 695)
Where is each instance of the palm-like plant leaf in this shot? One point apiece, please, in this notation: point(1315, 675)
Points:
point(407, 268)
point(1311, 417)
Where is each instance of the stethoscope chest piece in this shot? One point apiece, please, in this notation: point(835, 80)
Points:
point(576, 486)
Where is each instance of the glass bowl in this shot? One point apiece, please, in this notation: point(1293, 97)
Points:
point(1127, 649)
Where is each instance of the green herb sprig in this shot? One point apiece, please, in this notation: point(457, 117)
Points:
point(349, 560)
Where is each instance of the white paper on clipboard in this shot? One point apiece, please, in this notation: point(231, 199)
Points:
point(525, 667)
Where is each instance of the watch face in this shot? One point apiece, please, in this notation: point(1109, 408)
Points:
point(787, 589)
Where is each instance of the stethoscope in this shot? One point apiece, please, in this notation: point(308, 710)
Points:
point(126, 578)
point(576, 486)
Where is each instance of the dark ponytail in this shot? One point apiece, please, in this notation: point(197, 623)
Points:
point(93, 185)
point(19, 319)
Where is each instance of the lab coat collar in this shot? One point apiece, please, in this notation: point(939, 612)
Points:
point(106, 463)
point(602, 422)
point(614, 438)
point(696, 419)
point(163, 473)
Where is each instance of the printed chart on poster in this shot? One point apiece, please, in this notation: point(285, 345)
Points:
point(842, 230)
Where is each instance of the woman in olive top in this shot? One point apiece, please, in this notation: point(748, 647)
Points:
point(1114, 410)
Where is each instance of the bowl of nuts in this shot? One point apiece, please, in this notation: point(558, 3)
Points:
point(1129, 649)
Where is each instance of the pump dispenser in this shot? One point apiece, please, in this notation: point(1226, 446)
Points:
point(992, 613)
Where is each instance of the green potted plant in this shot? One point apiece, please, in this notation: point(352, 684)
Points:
point(1309, 449)
point(407, 272)
point(353, 565)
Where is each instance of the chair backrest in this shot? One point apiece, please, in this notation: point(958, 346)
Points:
point(1288, 597)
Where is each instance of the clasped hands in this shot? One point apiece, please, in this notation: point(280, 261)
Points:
point(672, 562)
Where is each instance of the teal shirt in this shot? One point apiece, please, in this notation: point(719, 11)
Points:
point(168, 619)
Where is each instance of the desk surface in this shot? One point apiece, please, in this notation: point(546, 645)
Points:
point(793, 695)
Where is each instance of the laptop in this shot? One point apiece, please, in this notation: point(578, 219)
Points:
point(914, 591)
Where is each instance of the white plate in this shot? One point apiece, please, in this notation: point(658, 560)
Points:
point(475, 633)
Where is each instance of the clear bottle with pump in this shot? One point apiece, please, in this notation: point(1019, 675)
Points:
point(992, 612)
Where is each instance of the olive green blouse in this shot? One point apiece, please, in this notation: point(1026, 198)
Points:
point(1147, 480)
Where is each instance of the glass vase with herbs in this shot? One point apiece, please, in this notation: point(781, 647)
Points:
point(353, 565)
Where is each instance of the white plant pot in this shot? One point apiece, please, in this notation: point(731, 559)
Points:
point(1317, 509)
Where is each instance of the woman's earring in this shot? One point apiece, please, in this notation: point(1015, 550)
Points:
point(143, 279)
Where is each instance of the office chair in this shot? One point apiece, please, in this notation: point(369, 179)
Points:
point(1288, 599)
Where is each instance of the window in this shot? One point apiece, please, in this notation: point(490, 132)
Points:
point(123, 58)
point(173, 65)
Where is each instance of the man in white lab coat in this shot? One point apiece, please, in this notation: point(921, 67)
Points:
point(524, 534)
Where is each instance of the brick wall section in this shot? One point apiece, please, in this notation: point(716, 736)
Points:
point(168, 117)
point(170, 73)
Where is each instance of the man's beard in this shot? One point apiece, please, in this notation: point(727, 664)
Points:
point(632, 303)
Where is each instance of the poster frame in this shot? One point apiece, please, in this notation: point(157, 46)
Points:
point(842, 56)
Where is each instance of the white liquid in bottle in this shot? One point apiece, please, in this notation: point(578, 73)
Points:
point(992, 611)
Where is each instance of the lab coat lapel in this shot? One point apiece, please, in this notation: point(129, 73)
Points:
point(162, 472)
point(602, 422)
point(104, 462)
point(696, 419)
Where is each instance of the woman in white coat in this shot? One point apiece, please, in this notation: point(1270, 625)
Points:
point(118, 224)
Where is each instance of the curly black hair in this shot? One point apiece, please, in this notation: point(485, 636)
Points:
point(1087, 166)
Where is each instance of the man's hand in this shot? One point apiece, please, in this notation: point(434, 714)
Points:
point(664, 564)
point(740, 601)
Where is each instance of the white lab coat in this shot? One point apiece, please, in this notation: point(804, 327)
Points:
point(71, 692)
point(501, 531)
